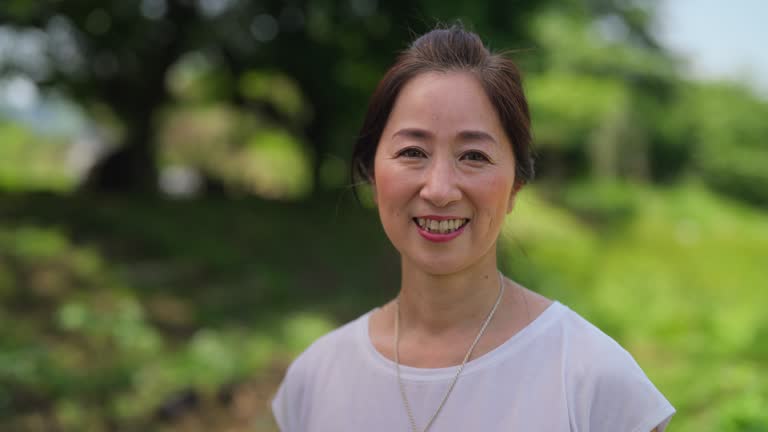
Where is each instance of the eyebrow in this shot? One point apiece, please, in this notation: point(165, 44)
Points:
point(465, 135)
point(413, 133)
point(476, 135)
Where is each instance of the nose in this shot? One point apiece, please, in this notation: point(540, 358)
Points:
point(440, 184)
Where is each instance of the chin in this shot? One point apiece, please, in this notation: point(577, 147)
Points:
point(438, 265)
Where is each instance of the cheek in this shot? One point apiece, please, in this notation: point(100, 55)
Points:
point(493, 200)
point(391, 194)
point(495, 191)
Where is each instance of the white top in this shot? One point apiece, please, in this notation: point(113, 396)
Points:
point(560, 373)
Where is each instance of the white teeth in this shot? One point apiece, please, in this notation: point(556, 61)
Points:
point(442, 227)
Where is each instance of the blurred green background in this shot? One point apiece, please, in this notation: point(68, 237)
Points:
point(176, 220)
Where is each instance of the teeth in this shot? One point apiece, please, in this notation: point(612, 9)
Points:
point(442, 227)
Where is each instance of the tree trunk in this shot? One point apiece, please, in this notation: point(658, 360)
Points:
point(131, 169)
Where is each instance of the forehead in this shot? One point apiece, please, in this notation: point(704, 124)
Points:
point(445, 101)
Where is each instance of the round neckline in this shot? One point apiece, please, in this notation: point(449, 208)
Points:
point(511, 345)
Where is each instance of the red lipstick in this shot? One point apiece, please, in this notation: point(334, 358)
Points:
point(437, 237)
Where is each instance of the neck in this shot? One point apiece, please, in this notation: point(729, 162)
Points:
point(439, 304)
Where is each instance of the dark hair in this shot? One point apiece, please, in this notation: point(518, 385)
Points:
point(445, 50)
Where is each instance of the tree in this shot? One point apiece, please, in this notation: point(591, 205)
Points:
point(118, 54)
point(124, 49)
point(596, 97)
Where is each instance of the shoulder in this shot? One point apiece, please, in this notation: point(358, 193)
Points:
point(606, 388)
point(592, 358)
point(589, 350)
point(301, 379)
point(327, 347)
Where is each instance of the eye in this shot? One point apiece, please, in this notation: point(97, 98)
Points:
point(475, 156)
point(412, 153)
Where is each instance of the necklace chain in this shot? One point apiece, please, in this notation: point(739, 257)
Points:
point(458, 371)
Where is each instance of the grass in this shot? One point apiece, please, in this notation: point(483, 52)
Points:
point(135, 314)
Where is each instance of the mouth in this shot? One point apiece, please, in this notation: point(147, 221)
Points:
point(440, 230)
point(445, 226)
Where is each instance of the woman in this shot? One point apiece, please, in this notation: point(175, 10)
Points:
point(446, 147)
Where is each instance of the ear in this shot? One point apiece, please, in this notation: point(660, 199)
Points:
point(513, 195)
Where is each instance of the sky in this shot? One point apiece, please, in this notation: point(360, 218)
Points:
point(720, 38)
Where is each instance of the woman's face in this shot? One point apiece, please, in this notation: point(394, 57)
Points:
point(444, 173)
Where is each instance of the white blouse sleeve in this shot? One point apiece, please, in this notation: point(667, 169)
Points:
point(287, 404)
point(613, 394)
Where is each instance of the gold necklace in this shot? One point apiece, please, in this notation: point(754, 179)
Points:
point(458, 372)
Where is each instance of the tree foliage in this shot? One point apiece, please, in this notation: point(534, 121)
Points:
point(120, 53)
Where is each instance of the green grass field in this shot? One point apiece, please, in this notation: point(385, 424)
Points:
point(182, 315)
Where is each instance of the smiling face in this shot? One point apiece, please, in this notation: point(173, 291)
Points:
point(444, 173)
